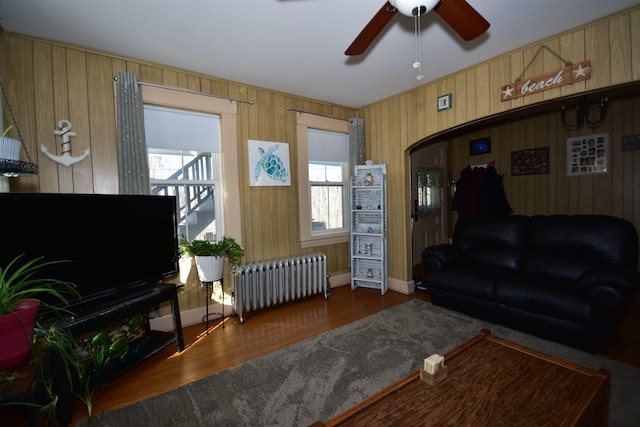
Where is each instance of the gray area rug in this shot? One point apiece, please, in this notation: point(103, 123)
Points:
point(324, 375)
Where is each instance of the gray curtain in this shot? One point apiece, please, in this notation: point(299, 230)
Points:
point(133, 163)
point(356, 143)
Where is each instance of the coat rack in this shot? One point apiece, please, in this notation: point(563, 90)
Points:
point(583, 115)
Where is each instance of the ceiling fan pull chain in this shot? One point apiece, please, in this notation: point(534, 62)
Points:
point(416, 32)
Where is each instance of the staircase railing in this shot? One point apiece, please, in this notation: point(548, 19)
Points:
point(198, 169)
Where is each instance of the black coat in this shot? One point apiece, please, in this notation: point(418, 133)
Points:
point(480, 191)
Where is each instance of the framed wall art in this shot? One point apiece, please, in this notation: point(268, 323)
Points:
point(533, 161)
point(588, 154)
point(480, 146)
point(630, 142)
point(269, 163)
point(444, 102)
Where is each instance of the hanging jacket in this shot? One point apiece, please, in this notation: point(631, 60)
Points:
point(480, 191)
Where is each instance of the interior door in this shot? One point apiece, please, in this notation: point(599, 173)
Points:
point(429, 224)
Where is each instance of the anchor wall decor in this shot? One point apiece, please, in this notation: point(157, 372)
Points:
point(65, 158)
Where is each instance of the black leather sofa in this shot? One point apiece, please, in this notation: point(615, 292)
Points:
point(561, 277)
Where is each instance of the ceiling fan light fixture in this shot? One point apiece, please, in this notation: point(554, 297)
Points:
point(414, 7)
point(458, 14)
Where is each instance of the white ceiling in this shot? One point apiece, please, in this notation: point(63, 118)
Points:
point(296, 46)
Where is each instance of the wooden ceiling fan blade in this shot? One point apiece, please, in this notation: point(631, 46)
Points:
point(371, 30)
point(463, 18)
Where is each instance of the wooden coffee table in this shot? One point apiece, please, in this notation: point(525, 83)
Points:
point(490, 382)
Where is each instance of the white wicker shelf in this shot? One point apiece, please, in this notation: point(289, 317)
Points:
point(368, 243)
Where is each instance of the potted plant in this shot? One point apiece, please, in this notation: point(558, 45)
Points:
point(210, 256)
point(59, 359)
point(62, 370)
point(9, 147)
point(20, 286)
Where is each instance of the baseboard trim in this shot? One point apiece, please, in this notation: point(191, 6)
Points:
point(401, 286)
point(194, 316)
point(340, 280)
point(188, 317)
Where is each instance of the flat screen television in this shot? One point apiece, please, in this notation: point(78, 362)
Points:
point(115, 244)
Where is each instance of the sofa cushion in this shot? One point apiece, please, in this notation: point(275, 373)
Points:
point(491, 241)
point(567, 245)
point(474, 282)
point(491, 256)
point(564, 265)
point(552, 298)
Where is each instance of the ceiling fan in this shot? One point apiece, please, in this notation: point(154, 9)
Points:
point(459, 14)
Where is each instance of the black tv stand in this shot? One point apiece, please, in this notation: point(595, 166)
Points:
point(102, 315)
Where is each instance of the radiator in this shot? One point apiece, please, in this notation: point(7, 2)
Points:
point(267, 283)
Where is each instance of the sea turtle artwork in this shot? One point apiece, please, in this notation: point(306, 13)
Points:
point(271, 164)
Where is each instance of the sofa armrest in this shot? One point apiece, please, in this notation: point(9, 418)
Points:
point(625, 280)
point(438, 257)
point(607, 300)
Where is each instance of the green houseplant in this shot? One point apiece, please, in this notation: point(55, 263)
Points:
point(59, 360)
point(75, 376)
point(210, 256)
point(20, 287)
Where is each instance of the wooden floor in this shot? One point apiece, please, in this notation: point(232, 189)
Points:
point(262, 333)
point(270, 329)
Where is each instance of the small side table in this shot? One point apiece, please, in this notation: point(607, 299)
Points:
point(206, 285)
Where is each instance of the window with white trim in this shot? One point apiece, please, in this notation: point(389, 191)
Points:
point(184, 161)
point(328, 180)
point(323, 175)
point(195, 150)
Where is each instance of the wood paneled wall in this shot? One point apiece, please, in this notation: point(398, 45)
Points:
point(611, 193)
point(394, 125)
point(47, 81)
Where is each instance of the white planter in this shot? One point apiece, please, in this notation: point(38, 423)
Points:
point(10, 148)
point(210, 268)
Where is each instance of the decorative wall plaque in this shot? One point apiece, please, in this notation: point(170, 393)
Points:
point(564, 76)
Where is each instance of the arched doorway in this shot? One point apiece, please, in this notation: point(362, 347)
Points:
point(540, 125)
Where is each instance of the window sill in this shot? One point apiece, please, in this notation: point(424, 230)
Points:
point(326, 239)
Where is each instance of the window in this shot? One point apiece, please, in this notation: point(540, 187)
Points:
point(429, 191)
point(327, 190)
point(199, 206)
point(323, 174)
point(184, 161)
point(187, 136)
point(328, 180)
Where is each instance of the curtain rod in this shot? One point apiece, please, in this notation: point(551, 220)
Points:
point(178, 89)
point(315, 114)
